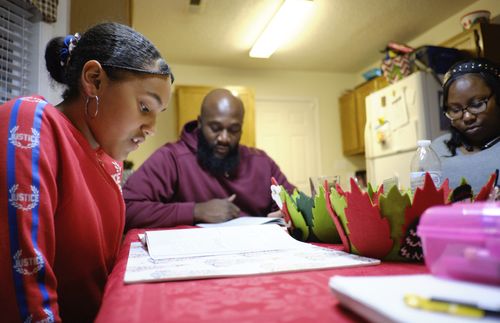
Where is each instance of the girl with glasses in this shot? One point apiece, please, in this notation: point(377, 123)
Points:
point(471, 150)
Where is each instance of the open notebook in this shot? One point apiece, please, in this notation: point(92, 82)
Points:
point(183, 254)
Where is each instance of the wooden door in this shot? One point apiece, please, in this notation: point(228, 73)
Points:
point(467, 41)
point(481, 40)
point(349, 124)
point(86, 13)
point(353, 115)
point(361, 93)
point(189, 99)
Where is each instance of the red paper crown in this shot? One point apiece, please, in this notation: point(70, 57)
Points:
point(383, 226)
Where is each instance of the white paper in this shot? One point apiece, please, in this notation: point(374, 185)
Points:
point(141, 268)
point(244, 220)
point(217, 241)
point(380, 299)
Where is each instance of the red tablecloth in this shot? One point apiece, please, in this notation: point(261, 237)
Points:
point(289, 297)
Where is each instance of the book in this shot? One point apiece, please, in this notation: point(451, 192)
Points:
point(186, 254)
point(245, 220)
point(381, 298)
point(182, 243)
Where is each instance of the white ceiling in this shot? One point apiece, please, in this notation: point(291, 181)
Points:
point(341, 36)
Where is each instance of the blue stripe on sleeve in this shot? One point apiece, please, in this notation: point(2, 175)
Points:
point(12, 215)
point(12, 212)
point(35, 155)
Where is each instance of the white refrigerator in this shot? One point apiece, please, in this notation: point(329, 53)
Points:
point(396, 117)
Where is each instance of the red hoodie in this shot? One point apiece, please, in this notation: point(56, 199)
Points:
point(163, 191)
point(61, 216)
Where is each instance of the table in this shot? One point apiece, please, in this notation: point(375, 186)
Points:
point(287, 297)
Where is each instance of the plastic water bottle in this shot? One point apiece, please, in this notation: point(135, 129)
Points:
point(424, 160)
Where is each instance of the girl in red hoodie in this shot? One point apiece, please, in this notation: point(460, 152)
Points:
point(61, 208)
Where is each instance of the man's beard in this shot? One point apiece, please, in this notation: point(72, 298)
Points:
point(216, 166)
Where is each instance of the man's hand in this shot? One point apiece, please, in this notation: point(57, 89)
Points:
point(276, 214)
point(280, 214)
point(216, 210)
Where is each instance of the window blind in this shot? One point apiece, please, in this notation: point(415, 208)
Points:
point(16, 45)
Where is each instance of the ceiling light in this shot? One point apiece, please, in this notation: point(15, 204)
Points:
point(290, 17)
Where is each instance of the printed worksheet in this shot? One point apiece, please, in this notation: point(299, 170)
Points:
point(229, 252)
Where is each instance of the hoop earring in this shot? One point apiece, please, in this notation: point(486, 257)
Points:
point(96, 107)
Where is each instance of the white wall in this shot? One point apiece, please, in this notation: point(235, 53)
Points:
point(324, 87)
point(47, 31)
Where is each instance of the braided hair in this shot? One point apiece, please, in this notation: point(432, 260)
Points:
point(118, 48)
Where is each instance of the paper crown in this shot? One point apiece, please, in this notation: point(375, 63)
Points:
point(374, 223)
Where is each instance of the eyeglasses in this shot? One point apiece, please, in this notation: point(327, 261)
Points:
point(475, 107)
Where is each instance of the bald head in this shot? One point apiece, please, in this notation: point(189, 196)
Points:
point(222, 102)
point(221, 121)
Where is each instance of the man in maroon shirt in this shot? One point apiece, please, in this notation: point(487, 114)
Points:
point(206, 176)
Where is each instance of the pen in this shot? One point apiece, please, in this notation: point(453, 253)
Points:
point(448, 306)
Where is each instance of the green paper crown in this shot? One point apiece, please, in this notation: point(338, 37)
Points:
point(310, 218)
point(374, 224)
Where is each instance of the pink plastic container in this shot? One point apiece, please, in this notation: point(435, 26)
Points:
point(462, 241)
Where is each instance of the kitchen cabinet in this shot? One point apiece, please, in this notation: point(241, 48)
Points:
point(348, 123)
point(189, 99)
point(353, 115)
point(481, 40)
point(86, 13)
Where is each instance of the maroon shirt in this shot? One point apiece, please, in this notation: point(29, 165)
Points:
point(164, 190)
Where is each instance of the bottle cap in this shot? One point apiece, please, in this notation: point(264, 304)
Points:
point(423, 143)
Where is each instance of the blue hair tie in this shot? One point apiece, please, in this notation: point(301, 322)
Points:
point(70, 43)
